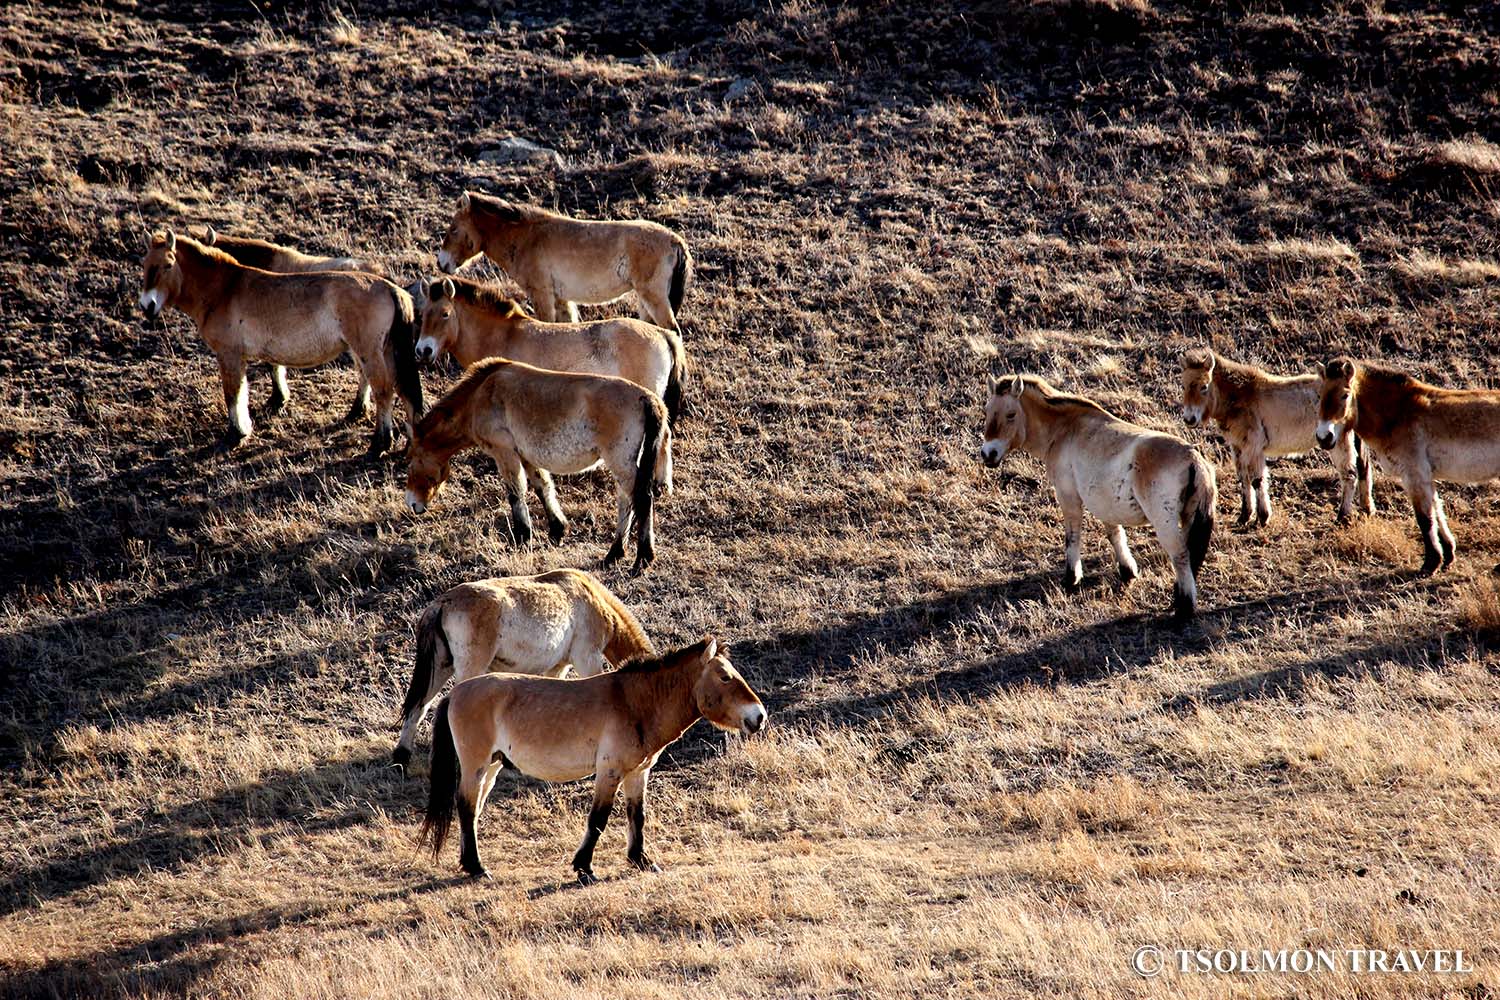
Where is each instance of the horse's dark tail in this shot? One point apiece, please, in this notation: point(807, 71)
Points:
point(679, 278)
point(443, 793)
point(403, 339)
point(432, 642)
point(673, 396)
point(652, 429)
point(1198, 496)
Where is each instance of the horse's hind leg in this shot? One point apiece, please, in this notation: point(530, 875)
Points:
point(622, 526)
point(361, 405)
point(1129, 570)
point(606, 781)
point(383, 389)
point(1072, 511)
point(557, 524)
point(1173, 537)
point(635, 812)
point(468, 821)
point(1445, 536)
point(236, 400)
point(280, 392)
point(513, 473)
point(440, 675)
point(1424, 504)
point(654, 308)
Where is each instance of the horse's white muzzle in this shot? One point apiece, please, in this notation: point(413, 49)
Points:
point(427, 350)
point(417, 506)
point(1192, 415)
point(753, 721)
point(445, 262)
point(1327, 433)
point(152, 302)
point(993, 453)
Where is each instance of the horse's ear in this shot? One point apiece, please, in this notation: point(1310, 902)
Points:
point(997, 388)
point(171, 240)
point(209, 236)
point(1017, 386)
point(449, 291)
point(463, 202)
point(710, 649)
point(1339, 368)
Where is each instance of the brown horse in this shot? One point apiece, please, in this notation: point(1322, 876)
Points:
point(1121, 473)
point(287, 260)
point(1419, 432)
point(534, 422)
point(523, 625)
point(561, 261)
point(298, 320)
point(613, 726)
point(1266, 416)
point(472, 322)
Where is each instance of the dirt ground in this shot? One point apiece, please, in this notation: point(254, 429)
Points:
point(975, 782)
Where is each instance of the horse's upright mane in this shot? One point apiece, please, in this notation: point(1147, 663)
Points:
point(457, 398)
point(487, 297)
point(1389, 376)
point(206, 252)
point(1062, 399)
point(651, 664)
point(505, 211)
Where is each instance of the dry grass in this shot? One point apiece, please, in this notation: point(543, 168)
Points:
point(976, 783)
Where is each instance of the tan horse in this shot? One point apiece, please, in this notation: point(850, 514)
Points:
point(287, 260)
point(561, 261)
point(1267, 416)
point(522, 625)
point(613, 726)
point(245, 314)
point(1419, 432)
point(1121, 473)
point(472, 322)
point(534, 422)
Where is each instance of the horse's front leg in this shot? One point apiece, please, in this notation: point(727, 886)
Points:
point(513, 473)
point(606, 781)
point(1424, 503)
point(1072, 511)
point(635, 813)
point(557, 523)
point(280, 391)
point(236, 399)
point(1345, 458)
point(626, 514)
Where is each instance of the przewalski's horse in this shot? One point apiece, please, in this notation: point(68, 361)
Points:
point(522, 625)
point(472, 322)
point(245, 314)
point(561, 261)
point(613, 726)
point(1267, 416)
point(286, 260)
point(535, 422)
point(1121, 473)
point(1419, 432)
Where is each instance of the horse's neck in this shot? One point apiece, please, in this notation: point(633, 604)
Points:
point(666, 698)
point(501, 242)
point(203, 280)
point(1043, 427)
point(486, 330)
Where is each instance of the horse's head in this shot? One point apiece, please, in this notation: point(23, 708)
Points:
point(1197, 385)
point(1335, 400)
point(1004, 420)
point(162, 278)
point(439, 320)
point(425, 475)
point(461, 243)
point(721, 693)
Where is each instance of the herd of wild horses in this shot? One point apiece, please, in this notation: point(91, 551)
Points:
point(543, 397)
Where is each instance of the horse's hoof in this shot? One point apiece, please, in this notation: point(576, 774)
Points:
point(1429, 566)
point(230, 441)
point(1071, 583)
point(641, 565)
point(612, 556)
point(644, 864)
point(556, 531)
point(401, 759)
point(1128, 574)
point(586, 877)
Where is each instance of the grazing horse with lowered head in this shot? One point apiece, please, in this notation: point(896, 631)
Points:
point(1267, 416)
point(472, 322)
point(560, 261)
point(1421, 433)
point(522, 625)
point(1121, 473)
point(535, 422)
point(287, 260)
point(300, 320)
point(613, 726)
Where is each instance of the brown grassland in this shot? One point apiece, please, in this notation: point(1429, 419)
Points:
point(974, 783)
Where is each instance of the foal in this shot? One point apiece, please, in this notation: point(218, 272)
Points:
point(286, 260)
point(523, 625)
point(561, 261)
point(534, 422)
point(1267, 416)
point(298, 320)
point(613, 726)
point(472, 322)
point(1121, 473)
point(1420, 432)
